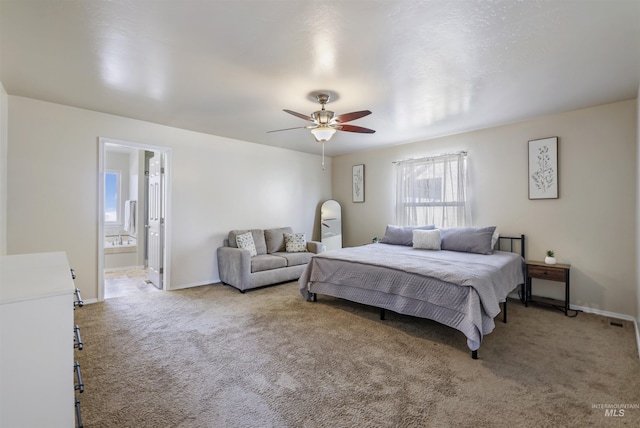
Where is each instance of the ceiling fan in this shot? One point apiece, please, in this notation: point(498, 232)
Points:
point(325, 123)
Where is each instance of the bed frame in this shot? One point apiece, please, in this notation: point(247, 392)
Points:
point(505, 243)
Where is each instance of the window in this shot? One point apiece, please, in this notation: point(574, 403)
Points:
point(433, 191)
point(112, 197)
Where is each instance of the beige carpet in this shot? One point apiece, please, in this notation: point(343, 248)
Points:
point(213, 357)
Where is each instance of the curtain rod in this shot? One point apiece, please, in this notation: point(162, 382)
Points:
point(462, 152)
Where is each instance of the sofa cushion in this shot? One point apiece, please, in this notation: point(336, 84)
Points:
point(258, 239)
point(275, 239)
point(295, 242)
point(245, 241)
point(264, 262)
point(295, 259)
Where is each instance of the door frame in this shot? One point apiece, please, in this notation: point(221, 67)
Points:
point(102, 143)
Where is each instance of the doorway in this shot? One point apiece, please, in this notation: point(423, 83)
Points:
point(133, 221)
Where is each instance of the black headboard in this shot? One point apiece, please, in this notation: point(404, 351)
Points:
point(512, 244)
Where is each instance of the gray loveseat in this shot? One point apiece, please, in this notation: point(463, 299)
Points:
point(271, 265)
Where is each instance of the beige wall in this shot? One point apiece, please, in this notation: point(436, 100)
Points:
point(638, 213)
point(592, 225)
point(3, 169)
point(217, 184)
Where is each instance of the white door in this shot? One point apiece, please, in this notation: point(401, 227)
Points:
point(155, 220)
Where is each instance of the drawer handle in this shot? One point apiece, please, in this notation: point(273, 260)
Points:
point(78, 414)
point(80, 385)
point(78, 341)
point(79, 303)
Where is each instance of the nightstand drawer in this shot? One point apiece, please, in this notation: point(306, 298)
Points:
point(550, 273)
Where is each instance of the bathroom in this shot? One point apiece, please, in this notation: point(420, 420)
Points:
point(124, 218)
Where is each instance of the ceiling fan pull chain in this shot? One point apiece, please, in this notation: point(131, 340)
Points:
point(323, 155)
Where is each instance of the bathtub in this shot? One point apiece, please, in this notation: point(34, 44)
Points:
point(120, 252)
point(114, 244)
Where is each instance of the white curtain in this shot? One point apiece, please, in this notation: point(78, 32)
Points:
point(433, 191)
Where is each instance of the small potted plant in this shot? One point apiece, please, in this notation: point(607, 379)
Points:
point(375, 240)
point(551, 258)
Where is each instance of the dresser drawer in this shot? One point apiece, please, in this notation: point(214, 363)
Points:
point(547, 272)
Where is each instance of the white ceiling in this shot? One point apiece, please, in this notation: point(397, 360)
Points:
point(228, 68)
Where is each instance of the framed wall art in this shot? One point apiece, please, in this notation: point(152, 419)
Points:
point(358, 183)
point(543, 168)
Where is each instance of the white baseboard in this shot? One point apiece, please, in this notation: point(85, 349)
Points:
point(603, 313)
point(635, 323)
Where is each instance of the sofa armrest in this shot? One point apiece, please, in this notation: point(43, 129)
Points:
point(234, 266)
point(315, 247)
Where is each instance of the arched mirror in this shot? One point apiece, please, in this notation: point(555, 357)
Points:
point(331, 225)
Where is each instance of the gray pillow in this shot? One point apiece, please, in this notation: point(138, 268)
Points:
point(402, 235)
point(467, 239)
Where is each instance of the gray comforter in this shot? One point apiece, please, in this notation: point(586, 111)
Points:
point(461, 290)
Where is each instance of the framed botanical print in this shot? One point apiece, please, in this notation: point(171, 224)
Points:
point(358, 183)
point(543, 168)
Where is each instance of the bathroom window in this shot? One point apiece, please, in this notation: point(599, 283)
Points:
point(112, 197)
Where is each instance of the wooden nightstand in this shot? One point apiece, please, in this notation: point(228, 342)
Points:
point(558, 272)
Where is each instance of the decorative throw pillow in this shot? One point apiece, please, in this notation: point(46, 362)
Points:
point(245, 241)
point(402, 235)
point(295, 242)
point(426, 239)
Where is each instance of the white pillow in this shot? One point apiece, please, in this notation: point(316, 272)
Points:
point(426, 239)
point(494, 239)
point(246, 241)
point(295, 242)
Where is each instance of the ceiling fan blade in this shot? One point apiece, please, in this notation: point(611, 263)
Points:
point(351, 128)
point(300, 115)
point(348, 117)
point(287, 129)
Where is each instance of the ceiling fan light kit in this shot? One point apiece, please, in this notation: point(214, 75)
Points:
point(322, 134)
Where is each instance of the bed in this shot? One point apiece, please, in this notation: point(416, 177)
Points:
point(460, 289)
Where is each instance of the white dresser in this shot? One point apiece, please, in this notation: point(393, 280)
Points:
point(36, 341)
